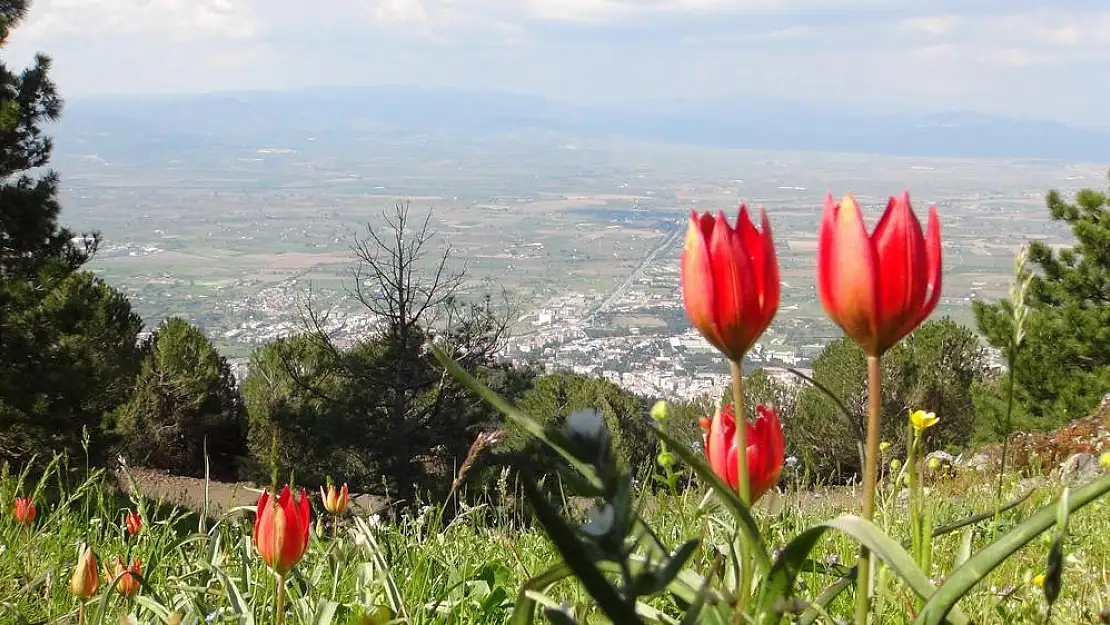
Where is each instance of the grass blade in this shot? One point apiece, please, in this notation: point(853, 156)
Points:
point(571, 549)
point(779, 583)
point(963, 579)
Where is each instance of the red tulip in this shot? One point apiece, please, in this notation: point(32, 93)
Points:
point(765, 448)
point(281, 527)
point(24, 511)
point(128, 584)
point(730, 280)
point(85, 580)
point(335, 501)
point(878, 288)
point(134, 523)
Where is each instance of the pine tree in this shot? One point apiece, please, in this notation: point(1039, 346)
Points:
point(30, 237)
point(1063, 367)
point(184, 404)
point(67, 339)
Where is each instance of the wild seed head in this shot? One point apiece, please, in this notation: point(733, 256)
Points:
point(484, 441)
point(1019, 289)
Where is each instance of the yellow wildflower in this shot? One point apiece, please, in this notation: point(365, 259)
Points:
point(934, 463)
point(1038, 580)
point(883, 446)
point(922, 420)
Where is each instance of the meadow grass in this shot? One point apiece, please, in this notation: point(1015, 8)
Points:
point(421, 568)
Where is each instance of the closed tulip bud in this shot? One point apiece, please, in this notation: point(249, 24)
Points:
point(661, 411)
point(730, 280)
point(85, 579)
point(128, 584)
point(878, 288)
point(335, 501)
point(281, 527)
point(765, 449)
point(133, 522)
point(24, 511)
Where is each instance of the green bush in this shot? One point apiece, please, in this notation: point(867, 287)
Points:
point(183, 405)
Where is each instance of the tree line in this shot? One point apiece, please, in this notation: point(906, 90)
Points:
point(381, 414)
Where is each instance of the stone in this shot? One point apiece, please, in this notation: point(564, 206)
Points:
point(1080, 467)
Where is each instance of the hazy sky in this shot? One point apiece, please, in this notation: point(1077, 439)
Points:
point(1015, 57)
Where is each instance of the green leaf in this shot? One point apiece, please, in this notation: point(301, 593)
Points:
point(964, 578)
point(982, 516)
point(731, 500)
point(779, 583)
point(574, 554)
point(1054, 568)
point(828, 595)
point(514, 414)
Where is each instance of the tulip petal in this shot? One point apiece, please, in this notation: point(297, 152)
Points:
point(902, 284)
point(933, 262)
point(718, 444)
point(259, 512)
point(768, 274)
point(735, 290)
point(846, 279)
point(697, 278)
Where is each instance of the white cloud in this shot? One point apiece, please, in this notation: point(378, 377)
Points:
point(956, 54)
point(936, 25)
point(177, 20)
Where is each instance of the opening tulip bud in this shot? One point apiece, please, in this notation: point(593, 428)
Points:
point(765, 449)
point(335, 501)
point(128, 584)
point(878, 287)
point(730, 280)
point(85, 580)
point(133, 522)
point(24, 511)
point(281, 527)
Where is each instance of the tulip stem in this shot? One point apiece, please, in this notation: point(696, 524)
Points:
point(870, 475)
point(743, 483)
point(279, 615)
point(743, 486)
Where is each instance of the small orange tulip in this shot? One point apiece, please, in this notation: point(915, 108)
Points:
point(24, 511)
point(281, 528)
point(730, 280)
point(878, 288)
point(335, 501)
point(85, 579)
point(128, 584)
point(133, 522)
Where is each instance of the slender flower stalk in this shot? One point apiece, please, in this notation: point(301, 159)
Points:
point(743, 486)
point(877, 287)
point(870, 477)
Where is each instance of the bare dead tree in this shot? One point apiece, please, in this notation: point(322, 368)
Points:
point(405, 277)
point(392, 279)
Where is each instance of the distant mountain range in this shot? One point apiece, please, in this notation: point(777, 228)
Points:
point(252, 118)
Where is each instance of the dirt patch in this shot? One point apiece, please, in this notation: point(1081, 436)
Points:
point(223, 497)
